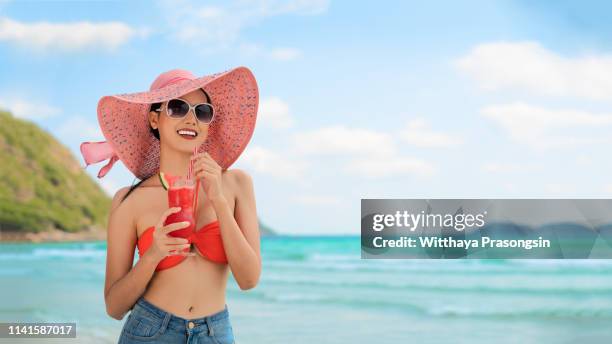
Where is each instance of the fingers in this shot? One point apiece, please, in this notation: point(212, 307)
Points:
point(205, 158)
point(169, 245)
point(184, 253)
point(175, 241)
point(204, 172)
point(205, 165)
point(165, 215)
point(202, 155)
point(182, 249)
point(207, 168)
point(174, 226)
point(178, 247)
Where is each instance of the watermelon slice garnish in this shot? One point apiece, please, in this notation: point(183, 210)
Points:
point(167, 180)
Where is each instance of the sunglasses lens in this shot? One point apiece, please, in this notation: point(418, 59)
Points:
point(177, 108)
point(204, 112)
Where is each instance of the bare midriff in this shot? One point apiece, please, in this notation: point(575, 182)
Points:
point(192, 289)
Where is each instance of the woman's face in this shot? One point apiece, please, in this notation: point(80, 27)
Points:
point(169, 127)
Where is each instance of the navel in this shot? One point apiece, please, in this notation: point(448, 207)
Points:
point(190, 308)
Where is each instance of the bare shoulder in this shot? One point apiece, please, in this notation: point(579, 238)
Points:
point(141, 193)
point(239, 180)
point(242, 188)
point(119, 197)
point(239, 176)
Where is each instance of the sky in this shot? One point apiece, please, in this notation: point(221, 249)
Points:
point(395, 99)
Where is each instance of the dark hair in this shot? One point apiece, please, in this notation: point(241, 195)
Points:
point(155, 107)
point(155, 132)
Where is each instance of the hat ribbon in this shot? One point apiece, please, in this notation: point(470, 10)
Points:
point(98, 151)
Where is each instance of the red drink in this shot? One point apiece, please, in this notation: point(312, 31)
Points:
point(180, 194)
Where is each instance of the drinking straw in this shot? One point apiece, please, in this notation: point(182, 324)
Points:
point(195, 201)
point(190, 170)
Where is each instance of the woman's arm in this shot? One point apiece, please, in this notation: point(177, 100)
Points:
point(124, 284)
point(240, 231)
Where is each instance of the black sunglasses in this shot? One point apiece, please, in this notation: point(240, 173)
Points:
point(179, 108)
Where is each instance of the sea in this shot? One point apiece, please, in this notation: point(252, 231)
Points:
point(318, 289)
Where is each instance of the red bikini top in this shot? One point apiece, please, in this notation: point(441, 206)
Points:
point(207, 241)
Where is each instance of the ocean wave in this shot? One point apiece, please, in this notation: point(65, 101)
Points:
point(15, 271)
point(523, 314)
point(334, 300)
point(403, 305)
point(44, 253)
point(387, 284)
point(286, 256)
point(440, 267)
point(561, 263)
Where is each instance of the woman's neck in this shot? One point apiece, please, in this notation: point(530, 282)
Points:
point(174, 162)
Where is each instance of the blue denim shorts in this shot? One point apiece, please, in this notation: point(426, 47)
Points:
point(147, 323)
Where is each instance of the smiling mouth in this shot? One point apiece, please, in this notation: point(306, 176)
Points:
point(187, 134)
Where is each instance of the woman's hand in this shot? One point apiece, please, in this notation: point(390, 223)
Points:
point(164, 245)
point(209, 172)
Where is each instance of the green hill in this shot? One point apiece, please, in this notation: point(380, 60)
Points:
point(43, 186)
point(265, 230)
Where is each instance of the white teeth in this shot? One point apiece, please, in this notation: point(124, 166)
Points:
point(187, 132)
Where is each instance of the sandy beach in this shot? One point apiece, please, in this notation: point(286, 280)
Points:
point(52, 235)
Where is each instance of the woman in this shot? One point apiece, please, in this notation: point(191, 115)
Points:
point(177, 294)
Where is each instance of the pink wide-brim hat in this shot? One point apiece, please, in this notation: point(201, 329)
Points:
point(123, 119)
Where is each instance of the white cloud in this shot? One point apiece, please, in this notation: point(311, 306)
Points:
point(545, 128)
point(285, 54)
point(364, 153)
point(507, 167)
point(584, 160)
point(317, 200)
point(380, 167)
point(210, 12)
point(274, 112)
point(277, 54)
point(559, 189)
point(529, 66)
point(220, 27)
point(510, 187)
point(368, 153)
point(266, 161)
point(72, 36)
point(344, 140)
point(418, 133)
point(79, 129)
point(28, 109)
point(278, 7)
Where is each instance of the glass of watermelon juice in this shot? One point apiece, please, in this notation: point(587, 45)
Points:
point(181, 194)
